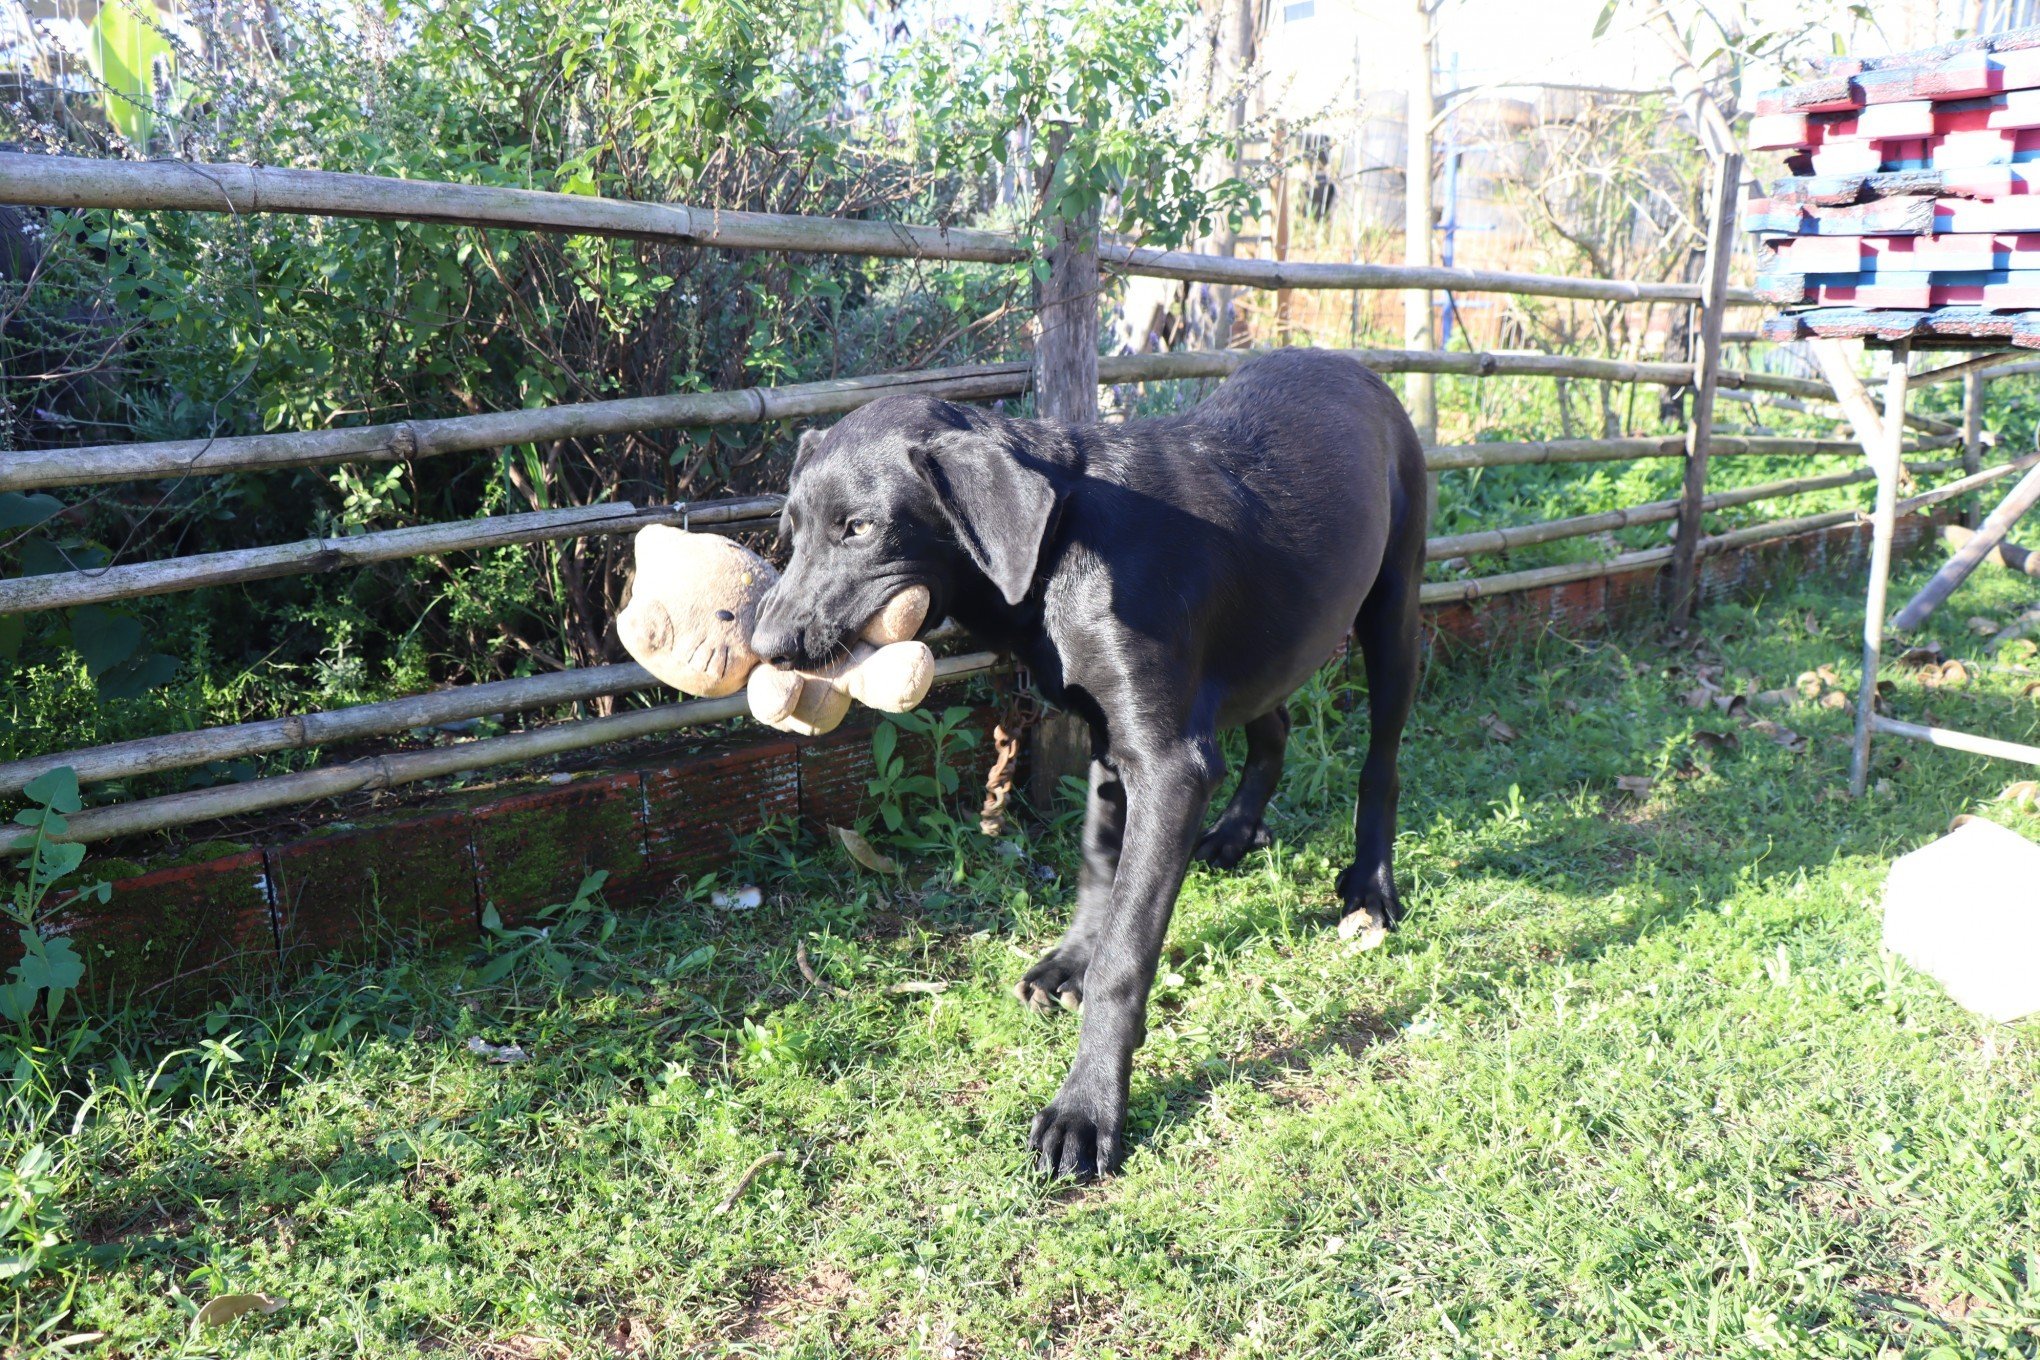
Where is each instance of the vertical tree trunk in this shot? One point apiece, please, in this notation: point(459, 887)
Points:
point(1420, 392)
point(1065, 389)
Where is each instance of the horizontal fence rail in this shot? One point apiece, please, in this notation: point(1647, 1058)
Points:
point(74, 182)
point(1479, 588)
point(1482, 541)
point(409, 767)
point(1251, 273)
point(404, 440)
point(137, 580)
point(1457, 457)
point(193, 186)
point(183, 750)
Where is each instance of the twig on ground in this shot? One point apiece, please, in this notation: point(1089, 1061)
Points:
point(736, 1193)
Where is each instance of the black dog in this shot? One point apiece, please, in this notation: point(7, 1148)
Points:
point(1164, 580)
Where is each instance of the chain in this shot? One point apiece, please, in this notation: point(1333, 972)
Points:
point(1022, 711)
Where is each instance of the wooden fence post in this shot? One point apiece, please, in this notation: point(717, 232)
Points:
point(1706, 368)
point(1065, 389)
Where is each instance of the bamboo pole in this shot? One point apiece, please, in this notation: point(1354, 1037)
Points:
point(1451, 457)
point(1335, 276)
point(1880, 444)
point(182, 750)
point(37, 180)
point(191, 186)
point(136, 580)
point(1977, 366)
point(1972, 431)
point(1706, 373)
point(425, 438)
point(34, 469)
point(1445, 592)
point(1966, 484)
point(2021, 498)
point(409, 767)
point(1650, 512)
point(1480, 588)
point(1957, 741)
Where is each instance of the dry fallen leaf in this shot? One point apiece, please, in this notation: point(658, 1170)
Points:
point(1827, 675)
point(1497, 729)
point(1784, 736)
point(746, 898)
point(1834, 698)
point(1808, 684)
point(1717, 741)
point(2025, 793)
point(918, 988)
point(1731, 704)
point(220, 1311)
point(1982, 626)
point(1772, 697)
point(862, 851)
point(1927, 654)
point(1698, 698)
point(1638, 784)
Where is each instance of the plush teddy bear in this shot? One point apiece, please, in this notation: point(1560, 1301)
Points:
point(694, 604)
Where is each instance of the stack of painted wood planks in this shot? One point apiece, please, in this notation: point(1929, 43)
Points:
point(1909, 209)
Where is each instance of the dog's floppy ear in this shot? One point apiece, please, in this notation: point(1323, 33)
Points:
point(998, 497)
point(804, 452)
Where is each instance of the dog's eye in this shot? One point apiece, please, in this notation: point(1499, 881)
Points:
point(857, 528)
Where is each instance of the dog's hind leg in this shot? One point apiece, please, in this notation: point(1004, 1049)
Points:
point(1058, 979)
point(1386, 630)
point(1239, 829)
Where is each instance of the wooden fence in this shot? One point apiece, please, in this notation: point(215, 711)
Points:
point(62, 182)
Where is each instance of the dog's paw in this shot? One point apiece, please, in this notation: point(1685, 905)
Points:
point(1078, 1136)
point(1228, 842)
point(1367, 898)
point(1058, 980)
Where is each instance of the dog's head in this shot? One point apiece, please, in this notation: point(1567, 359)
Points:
point(905, 491)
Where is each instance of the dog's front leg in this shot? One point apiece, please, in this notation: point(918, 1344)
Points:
point(1167, 789)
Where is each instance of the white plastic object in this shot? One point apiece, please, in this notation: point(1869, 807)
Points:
point(1965, 910)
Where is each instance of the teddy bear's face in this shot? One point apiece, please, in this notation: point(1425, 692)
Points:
point(692, 609)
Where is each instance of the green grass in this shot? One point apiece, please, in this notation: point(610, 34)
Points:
point(1634, 1078)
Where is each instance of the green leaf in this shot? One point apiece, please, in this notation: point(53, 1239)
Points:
point(59, 858)
point(1607, 18)
point(103, 638)
point(25, 512)
point(137, 675)
point(56, 789)
point(128, 52)
point(882, 743)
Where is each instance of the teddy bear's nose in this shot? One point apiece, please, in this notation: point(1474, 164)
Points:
point(726, 616)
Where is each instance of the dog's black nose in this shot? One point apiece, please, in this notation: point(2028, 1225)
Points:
point(782, 662)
